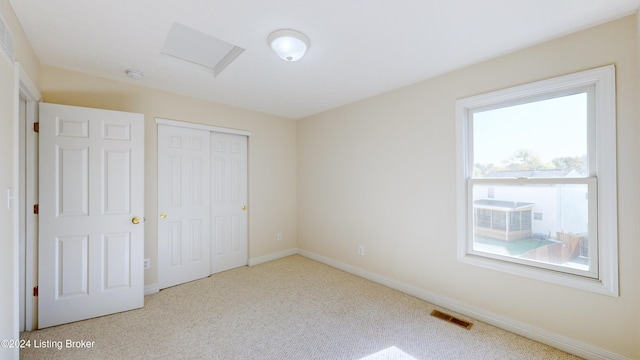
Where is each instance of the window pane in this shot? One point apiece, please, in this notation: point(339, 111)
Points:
point(545, 139)
point(557, 234)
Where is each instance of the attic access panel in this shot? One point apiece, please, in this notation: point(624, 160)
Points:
point(198, 48)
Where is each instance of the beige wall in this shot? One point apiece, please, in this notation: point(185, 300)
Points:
point(272, 151)
point(9, 308)
point(381, 173)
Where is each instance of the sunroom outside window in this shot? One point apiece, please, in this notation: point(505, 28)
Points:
point(536, 180)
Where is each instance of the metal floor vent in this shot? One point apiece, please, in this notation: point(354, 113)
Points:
point(454, 320)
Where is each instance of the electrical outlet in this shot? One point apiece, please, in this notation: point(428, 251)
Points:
point(361, 250)
point(147, 264)
point(279, 237)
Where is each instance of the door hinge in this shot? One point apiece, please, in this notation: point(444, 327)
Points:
point(36, 127)
point(35, 291)
point(36, 209)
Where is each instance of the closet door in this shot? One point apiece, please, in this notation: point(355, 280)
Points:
point(184, 162)
point(229, 202)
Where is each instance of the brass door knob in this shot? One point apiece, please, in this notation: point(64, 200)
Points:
point(135, 220)
point(244, 208)
point(163, 215)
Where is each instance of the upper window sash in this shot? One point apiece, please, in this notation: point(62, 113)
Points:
point(588, 89)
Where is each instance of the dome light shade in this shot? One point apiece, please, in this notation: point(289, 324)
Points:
point(289, 44)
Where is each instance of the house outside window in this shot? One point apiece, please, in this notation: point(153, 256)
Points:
point(546, 152)
point(502, 220)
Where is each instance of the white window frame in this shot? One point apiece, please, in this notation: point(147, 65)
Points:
point(601, 181)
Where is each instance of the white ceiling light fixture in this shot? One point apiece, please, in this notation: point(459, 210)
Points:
point(289, 44)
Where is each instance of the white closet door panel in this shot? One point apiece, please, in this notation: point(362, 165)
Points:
point(229, 203)
point(184, 158)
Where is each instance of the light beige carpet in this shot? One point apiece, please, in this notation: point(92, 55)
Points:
point(292, 308)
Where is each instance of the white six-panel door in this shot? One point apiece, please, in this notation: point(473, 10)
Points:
point(91, 239)
point(184, 161)
point(229, 204)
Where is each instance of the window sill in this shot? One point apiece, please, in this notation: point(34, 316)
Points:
point(599, 286)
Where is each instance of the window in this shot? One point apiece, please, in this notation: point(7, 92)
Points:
point(542, 148)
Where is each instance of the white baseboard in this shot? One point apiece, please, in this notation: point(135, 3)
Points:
point(151, 289)
point(271, 257)
point(155, 288)
point(541, 335)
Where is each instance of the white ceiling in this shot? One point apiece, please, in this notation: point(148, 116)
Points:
point(358, 48)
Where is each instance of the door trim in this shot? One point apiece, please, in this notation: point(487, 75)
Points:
point(28, 157)
point(190, 125)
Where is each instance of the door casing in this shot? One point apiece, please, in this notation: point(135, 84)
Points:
point(27, 188)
